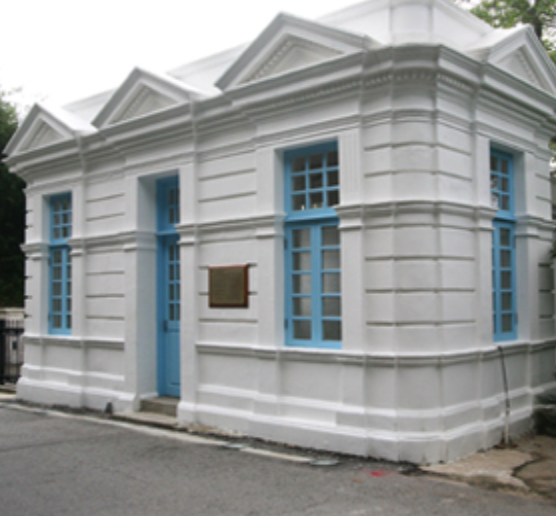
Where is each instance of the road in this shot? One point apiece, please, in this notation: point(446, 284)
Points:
point(69, 465)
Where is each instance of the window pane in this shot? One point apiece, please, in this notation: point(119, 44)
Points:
point(298, 202)
point(171, 272)
point(301, 238)
point(68, 304)
point(315, 161)
point(504, 184)
point(494, 200)
point(504, 166)
point(506, 280)
point(56, 233)
point(302, 306)
point(298, 164)
point(302, 330)
point(171, 252)
point(330, 236)
point(331, 306)
point(171, 293)
point(315, 181)
point(332, 178)
point(57, 305)
point(333, 198)
point(172, 312)
point(56, 219)
point(57, 257)
point(331, 259)
point(332, 330)
point(505, 237)
point(302, 261)
point(316, 200)
point(494, 182)
point(57, 273)
point(298, 183)
point(493, 163)
point(331, 283)
point(57, 289)
point(504, 202)
point(507, 322)
point(332, 159)
point(506, 301)
point(505, 258)
point(302, 284)
point(177, 312)
point(68, 322)
point(57, 321)
point(65, 218)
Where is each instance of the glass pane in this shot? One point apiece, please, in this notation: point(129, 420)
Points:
point(171, 196)
point(171, 272)
point(333, 198)
point(331, 306)
point(493, 163)
point(56, 220)
point(56, 233)
point(57, 321)
point(330, 236)
point(171, 252)
point(65, 218)
point(302, 330)
point(68, 304)
point(505, 237)
point(331, 330)
point(298, 164)
point(504, 166)
point(171, 292)
point(177, 312)
point(504, 184)
point(302, 261)
point(315, 181)
point(505, 258)
point(57, 257)
point(331, 259)
point(177, 271)
point(65, 232)
point(57, 305)
point(57, 273)
point(65, 204)
point(506, 301)
point(171, 215)
point(506, 280)
point(302, 306)
point(494, 200)
point(68, 321)
point(298, 183)
point(57, 289)
point(298, 202)
point(494, 182)
point(172, 312)
point(301, 238)
point(504, 202)
point(331, 282)
point(178, 293)
point(507, 322)
point(302, 284)
point(332, 159)
point(316, 200)
point(332, 178)
point(315, 161)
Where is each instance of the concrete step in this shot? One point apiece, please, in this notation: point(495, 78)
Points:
point(161, 405)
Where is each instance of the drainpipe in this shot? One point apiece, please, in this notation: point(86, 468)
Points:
point(507, 395)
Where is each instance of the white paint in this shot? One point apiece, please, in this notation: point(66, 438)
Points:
point(418, 378)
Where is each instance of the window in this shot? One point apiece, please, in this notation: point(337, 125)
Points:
point(312, 240)
point(60, 265)
point(503, 247)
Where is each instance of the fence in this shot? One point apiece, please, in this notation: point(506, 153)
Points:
point(11, 350)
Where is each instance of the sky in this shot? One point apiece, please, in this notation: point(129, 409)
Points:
point(59, 51)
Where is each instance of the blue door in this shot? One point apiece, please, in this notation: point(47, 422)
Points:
point(168, 279)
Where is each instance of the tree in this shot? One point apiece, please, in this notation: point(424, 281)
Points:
point(12, 216)
point(540, 14)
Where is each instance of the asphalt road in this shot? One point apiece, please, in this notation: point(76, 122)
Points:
point(66, 465)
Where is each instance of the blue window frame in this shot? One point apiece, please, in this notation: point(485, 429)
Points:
point(503, 247)
point(312, 241)
point(60, 295)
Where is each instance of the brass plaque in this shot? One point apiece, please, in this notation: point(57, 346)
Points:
point(228, 286)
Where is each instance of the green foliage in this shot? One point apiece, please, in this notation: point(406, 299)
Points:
point(12, 216)
point(540, 14)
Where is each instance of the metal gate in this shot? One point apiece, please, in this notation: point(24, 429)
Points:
point(11, 350)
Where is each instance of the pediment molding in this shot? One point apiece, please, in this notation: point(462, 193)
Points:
point(43, 127)
point(290, 43)
point(141, 94)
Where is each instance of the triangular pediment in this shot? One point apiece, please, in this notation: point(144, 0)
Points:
point(45, 126)
point(522, 55)
point(290, 43)
point(141, 94)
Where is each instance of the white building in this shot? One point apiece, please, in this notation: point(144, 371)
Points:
point(382, 174)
